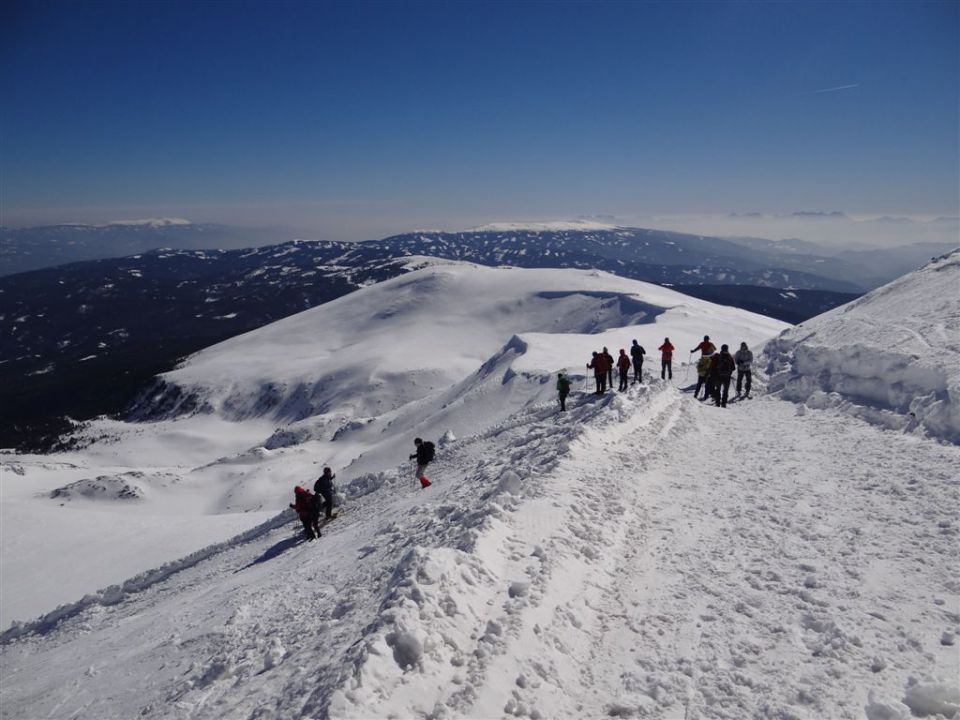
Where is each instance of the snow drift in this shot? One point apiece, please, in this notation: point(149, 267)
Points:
point(890, 357)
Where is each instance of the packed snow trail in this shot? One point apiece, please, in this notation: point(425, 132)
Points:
point(772, 564)
point(642, 555)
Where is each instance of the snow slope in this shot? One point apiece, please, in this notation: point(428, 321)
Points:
point(448, 347)
point(640, 556)
point(890, 356)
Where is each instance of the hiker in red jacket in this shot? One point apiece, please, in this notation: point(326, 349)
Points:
point(600, 368)
point(609, 358)
point(706, 347)
point(623, 365)
point(666, 359)
point(304, 507)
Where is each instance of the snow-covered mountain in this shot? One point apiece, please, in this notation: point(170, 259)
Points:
point(448, 346)
point(892, 357)
point(108, 326)
point(652, 255)
point(642, 555)
point(83, 339)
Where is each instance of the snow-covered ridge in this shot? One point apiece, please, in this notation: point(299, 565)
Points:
point(150, 222)
point(554, 226)
point(890, 357)
point(377, 349)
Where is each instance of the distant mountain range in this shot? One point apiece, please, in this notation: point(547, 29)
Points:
point(81, 339)
point(33, 248)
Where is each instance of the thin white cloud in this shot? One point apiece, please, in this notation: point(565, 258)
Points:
point(835, 89)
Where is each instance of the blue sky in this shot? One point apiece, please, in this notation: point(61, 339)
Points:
point(352, 120)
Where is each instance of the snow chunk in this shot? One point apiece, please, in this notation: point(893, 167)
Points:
point(933, 697)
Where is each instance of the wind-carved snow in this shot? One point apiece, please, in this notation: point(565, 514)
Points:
point(890, 357)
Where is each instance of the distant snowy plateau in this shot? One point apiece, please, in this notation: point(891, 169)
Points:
point(642, 555)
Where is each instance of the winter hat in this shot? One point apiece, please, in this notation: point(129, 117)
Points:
point(706, 337)
point(743, 345)
point(298, 490)
point(724, 348)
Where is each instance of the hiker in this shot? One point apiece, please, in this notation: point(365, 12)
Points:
point(706, 347)
point(723, 364)
point(563, 389)
point(623, 365)
point(713, 379)
point(744, 360)
point(703, 369)
point(637, 352)
point(304, 508)
point(599, 365)
point(609, 358)
point(424, 456)
point(323, 488)
point(666, 359)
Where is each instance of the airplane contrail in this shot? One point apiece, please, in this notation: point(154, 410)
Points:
point(834, 89)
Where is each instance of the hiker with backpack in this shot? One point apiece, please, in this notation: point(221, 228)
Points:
point(703, 370)
point(563, 389)
point(722, 366)
point(623, 365)
point(304, 506)
point(600, 367)
point(609, 358)
point(637, 352)
point(744, 359)
point(423, 456)
point(323, 489)
point(666, 359)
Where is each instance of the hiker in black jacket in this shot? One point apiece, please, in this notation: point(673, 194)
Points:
point(637, 352)
point(323, 488)
point(424, 456)
point(723, 366)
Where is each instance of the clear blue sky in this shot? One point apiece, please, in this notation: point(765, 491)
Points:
point(349, 119)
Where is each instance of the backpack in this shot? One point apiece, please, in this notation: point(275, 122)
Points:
point(725, 364)
point(429, 450)
point(563, 384)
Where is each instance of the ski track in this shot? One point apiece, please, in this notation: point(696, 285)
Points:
point(639, 556)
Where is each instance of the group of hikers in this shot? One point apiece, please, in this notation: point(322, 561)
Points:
point(714, 370)
point(309, 505)
point(714, 374)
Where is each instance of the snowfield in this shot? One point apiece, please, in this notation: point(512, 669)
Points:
point(642, 555)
